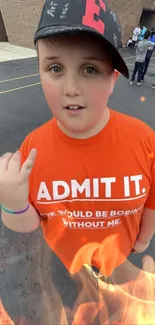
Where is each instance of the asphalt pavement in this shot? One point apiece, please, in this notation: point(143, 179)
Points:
point(22, 109)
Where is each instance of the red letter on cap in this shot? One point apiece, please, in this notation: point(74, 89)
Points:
point(91, 9)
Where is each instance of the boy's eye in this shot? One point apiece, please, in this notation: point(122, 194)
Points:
point(55, 69)
point(90, 70)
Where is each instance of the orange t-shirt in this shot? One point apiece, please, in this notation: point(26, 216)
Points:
point(90, 194)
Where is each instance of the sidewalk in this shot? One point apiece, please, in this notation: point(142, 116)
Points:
point(10, 52)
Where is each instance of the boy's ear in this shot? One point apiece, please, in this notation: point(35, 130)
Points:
point(116, 75)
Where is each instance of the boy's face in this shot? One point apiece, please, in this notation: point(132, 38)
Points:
point(77, 78)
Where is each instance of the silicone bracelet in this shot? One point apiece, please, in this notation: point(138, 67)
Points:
point(15, 212)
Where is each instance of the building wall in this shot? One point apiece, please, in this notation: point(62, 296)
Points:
point(149, 18)
point(129, 13)
point(21, 17)
point(3, 37)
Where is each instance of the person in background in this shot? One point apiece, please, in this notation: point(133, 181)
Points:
point(129, 43)
point(142, 33)
point(140, 58)
point(136, 33)
point(148, 56)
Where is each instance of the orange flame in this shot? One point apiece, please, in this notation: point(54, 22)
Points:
point(132, 302)
point(87, 313)
point(88, 250)
point(128, 300)
point(145, 319)
point(4, 317)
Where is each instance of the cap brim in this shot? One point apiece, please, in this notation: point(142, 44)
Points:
point(118, 62)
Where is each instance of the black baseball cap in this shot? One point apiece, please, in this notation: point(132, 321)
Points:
point(90, 16)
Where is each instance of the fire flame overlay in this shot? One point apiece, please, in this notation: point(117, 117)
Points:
point(128, 300)
point(4, 317)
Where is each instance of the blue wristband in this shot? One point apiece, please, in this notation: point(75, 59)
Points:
point(15, 212)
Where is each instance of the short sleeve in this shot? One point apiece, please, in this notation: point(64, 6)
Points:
point(151, 44)
point(24, 151)
point(150, 203)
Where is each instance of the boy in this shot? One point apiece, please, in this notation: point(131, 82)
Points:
point(142, 33)
point(129, 43)
point(148, 56)
point(88, 174)
point(136, 33)
point(141, 51)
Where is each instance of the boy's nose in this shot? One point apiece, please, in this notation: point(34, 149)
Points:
point(71, 86)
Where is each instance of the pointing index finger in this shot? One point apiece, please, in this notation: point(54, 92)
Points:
point(29, 162)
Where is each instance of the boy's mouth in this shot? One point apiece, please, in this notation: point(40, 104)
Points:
point(73, 107)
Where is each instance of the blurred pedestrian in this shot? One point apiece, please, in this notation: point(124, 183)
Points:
point(142, 33)
point(140, 58)
point(136, 33)
point(148, 55)
point(129, 43)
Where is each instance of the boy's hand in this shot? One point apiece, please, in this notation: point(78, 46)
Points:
point(140, 247)
point(14, 180)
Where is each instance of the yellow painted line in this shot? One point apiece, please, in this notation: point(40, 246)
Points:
point(10, 90)
point(23, 77)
